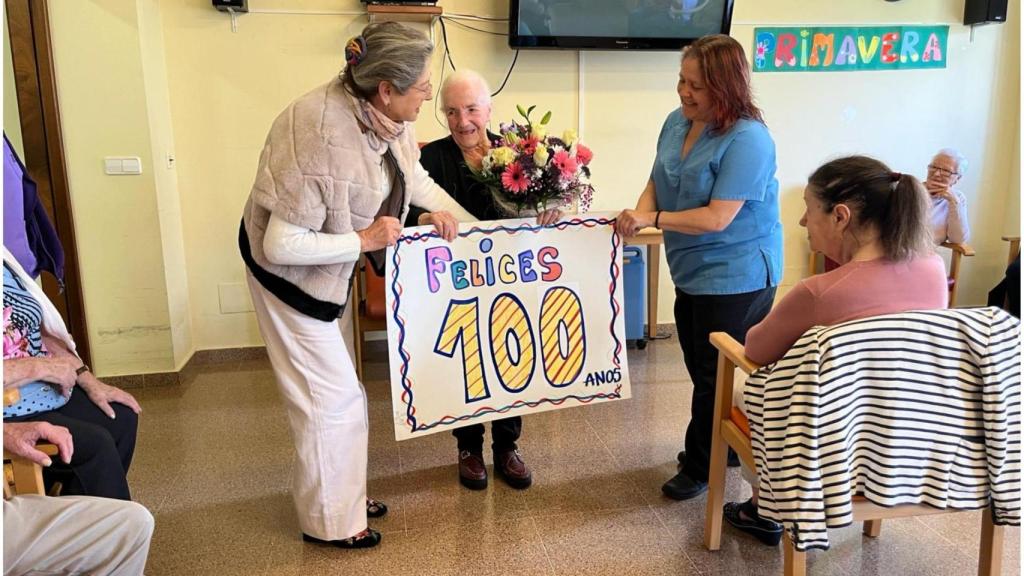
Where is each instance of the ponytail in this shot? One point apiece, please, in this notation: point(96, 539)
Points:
point(904, 226)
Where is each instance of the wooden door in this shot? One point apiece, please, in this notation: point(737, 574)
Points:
point(32, 58)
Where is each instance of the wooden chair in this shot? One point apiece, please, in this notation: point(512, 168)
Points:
point(23, 476)
point(1014, 248)
point(958, 251)
point(816, 264)
point(371, 308)
point(731, 430)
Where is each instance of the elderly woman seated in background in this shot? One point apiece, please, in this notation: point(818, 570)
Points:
point(949, 207)
point(55, 386)
point(874, 223)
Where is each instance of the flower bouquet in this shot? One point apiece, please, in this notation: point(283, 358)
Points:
point(528, 171)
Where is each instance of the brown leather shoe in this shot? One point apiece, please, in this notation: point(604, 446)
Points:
point(472, 472)
point(510, 466)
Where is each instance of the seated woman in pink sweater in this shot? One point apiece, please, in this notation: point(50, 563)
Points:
point(874, 223)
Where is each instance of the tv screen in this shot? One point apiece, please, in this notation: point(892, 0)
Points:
point(615, 24)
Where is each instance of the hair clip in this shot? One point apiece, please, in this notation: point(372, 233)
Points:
point(355, 50)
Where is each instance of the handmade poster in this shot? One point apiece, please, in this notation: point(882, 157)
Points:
point(839, 49)
point(508, 319)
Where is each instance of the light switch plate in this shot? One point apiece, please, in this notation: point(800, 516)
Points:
point(122, 165)
point(132, 165)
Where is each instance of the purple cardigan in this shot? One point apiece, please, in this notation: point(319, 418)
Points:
point(28, 233)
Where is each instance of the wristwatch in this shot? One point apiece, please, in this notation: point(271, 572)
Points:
point(82, 369)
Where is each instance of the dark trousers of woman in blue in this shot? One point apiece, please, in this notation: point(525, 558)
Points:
point(697, 316)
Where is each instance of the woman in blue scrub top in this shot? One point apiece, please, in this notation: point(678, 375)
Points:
point(713, 191)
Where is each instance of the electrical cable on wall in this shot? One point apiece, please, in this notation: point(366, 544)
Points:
point(447, 56)
point(447, 53)
point(455, 20)
point(509, 73)
point(467, 26)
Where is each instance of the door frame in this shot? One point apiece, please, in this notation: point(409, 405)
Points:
point(28, 25)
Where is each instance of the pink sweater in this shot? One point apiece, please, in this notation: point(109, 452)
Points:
point(854, 290)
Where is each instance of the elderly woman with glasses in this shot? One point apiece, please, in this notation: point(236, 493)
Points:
point(338, 172)
point(949, 207)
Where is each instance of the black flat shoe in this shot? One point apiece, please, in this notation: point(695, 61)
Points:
point(768, 532)
point(375, 509)
point(732, 461)
point(682, 487)
point(369, 539)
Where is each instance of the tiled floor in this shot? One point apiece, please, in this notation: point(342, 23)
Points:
point(214, 457)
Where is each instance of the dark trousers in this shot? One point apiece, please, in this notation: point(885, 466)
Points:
point(504, 434)
point(103, 448)
point(696, 318)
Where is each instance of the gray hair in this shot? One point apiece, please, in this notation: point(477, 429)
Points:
point(467, 77)
point(394, 53)
point(960, 159)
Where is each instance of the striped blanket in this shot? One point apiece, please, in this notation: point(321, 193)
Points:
point(911, 408)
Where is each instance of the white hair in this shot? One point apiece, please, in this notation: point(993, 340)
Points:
point(469, 78)
point(960, 159)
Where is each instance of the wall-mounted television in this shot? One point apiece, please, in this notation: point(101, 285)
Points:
point(615, 24)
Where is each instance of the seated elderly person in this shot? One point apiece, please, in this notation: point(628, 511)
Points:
point(55, 386)
point(71, 534)
point(886, 265)
point(466, 101)
point(949, 207)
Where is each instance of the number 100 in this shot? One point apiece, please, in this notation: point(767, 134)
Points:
point(563, 345)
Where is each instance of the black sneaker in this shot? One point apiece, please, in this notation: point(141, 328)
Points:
point(682, 487)
point(768, 532)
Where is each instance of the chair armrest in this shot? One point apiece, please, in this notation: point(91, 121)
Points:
point(733, 350)
point(964, 249)
point(1011, 238)
point(45, 448)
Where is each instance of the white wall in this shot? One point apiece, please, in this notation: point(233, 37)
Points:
point(225, 89)
point(99, 63)
point(12, 120)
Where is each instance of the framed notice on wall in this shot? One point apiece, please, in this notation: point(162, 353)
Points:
point(508, 319)
point(840, 49)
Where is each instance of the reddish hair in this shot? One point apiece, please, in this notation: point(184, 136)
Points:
point(727, 76)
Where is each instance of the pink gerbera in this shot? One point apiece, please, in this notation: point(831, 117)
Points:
point(514, 179)
point(565, 164)
point(583, 154)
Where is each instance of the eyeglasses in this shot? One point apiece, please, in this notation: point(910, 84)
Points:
point(942, 171)
point(428, 90)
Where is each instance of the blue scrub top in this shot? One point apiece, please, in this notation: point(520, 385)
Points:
point(736, 165)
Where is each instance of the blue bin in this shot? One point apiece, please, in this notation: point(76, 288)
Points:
point(635, 290)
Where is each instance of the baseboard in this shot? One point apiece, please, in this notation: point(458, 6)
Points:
point(199, 358)
point(237, 356)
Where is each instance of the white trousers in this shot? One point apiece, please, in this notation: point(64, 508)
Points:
point(326, 408)
point(75, 535)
